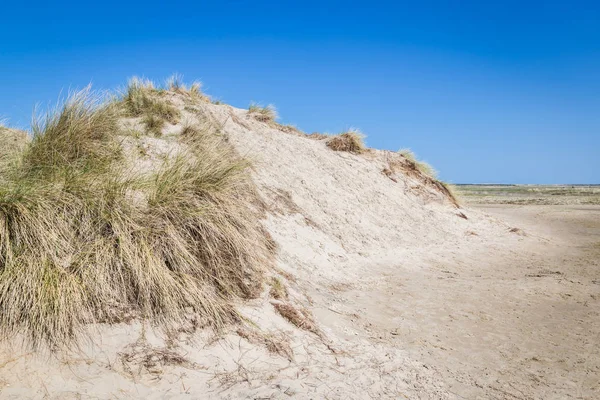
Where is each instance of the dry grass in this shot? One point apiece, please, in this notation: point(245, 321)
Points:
point(263, 114)
point(142, 99)
point(452, 193)
point(141, 357)
point(12, 142)
point(278, 290)
point(301, 318)
point(351, 141)
point(175, 84)
point(317, 136)
point(420, 165)
point(190, 129)
point(154, 124)
point(406, 161)
point(81, 237)
point(275, 343)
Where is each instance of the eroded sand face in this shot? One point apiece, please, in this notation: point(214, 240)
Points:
point(411, 299)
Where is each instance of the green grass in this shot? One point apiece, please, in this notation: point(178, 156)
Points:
point(83, 239)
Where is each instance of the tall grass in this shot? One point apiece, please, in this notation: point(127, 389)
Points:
point(83, 240)
point(12, 142)
point(141, 99)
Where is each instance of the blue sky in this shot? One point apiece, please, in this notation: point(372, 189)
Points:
point(501, 92)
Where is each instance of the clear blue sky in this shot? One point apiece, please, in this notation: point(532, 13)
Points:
point(500, 91)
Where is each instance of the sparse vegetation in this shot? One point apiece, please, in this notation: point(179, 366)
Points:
point(263, 114)
point(175, 83)
point(81, 236)
point(317, 136)
point(154, 124)
point(190, 129)
point(351, 141)
point(301, 318)
point(275, 343)
point(278, 290)
point(420, 165)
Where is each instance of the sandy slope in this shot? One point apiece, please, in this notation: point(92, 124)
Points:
point(412, 301)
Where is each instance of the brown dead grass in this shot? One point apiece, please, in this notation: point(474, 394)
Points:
point(141, 357)
point(317, 136)
point(278, 290)
point(265, 114)
point(300, 317)
point(351, 141)
point(275, 343)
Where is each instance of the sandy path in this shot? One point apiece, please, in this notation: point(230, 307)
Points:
point(522, 323)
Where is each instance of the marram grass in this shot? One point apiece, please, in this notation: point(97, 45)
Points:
point(83, 240)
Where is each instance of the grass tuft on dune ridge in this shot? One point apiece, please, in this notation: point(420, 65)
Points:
point(351, 141)
point(84, 239)
point(422, 166)
point(263, 114)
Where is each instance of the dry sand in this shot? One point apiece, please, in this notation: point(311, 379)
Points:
point(410, 299)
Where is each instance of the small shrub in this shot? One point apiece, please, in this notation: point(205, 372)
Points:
point(263, 114)
point(350, 141)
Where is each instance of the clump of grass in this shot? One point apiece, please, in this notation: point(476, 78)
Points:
point(141, 99)
point(263, 114)
point(317, 136)
point(429, 173)
point(77, 136)
point(278, 290)
point(190, 129)
point(154, 124)
point(175, 83)
point(81, 236)
point(451, 192)
point(351, 141)
point(196, 90)
point(422, 166)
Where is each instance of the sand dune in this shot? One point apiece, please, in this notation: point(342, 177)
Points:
point(401, 294)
